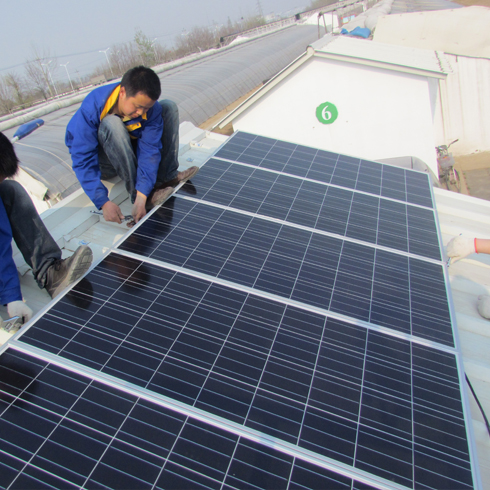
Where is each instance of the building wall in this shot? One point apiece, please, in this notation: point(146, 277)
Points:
point(463, 109)
point(381, 113)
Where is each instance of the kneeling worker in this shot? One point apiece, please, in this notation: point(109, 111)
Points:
point(121, 129)
point(19, 220)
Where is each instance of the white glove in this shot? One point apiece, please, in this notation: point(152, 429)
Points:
point(20, 309)
point(460, 247)
point(483, 306)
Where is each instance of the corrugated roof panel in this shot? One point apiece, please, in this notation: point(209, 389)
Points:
point(201, 89)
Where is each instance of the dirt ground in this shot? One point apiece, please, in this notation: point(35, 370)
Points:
point(469, 3)
point(475, 172)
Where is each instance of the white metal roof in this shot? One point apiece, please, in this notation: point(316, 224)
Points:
point(451, 31)
point(395, 57)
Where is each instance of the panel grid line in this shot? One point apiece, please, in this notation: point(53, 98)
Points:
point(306, 228)
point(297, 304)
point(327, 184)
point(113, 438)
point(215, 421)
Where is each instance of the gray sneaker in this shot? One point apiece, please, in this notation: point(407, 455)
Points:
point(64, 272)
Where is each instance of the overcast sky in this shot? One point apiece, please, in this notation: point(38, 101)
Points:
point(68, 28)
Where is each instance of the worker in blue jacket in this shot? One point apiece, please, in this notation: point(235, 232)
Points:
point(19, 220)
point(120, 129)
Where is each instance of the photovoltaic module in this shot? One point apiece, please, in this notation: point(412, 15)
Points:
point(287, 326)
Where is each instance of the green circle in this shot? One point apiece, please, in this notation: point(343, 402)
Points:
point(327, 113)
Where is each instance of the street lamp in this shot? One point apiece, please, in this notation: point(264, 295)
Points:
point(108, 62)
point(153, 43)
point(50, 76)
point(68, 75)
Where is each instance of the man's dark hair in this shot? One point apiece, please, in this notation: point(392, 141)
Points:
point(142, 79)
point(9, 163)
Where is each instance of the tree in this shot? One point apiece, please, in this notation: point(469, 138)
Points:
point(124, 56)
point(6, 100)
point(145, 48)
point(36, 78)
point(198, 39)
point(40, 67)
point(16, 84)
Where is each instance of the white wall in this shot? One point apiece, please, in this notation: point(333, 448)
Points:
point(463, 108)
point(382, 113)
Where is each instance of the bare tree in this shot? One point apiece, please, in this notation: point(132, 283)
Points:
point(36, 78)
point(124, 56)
point(198, 39)
point(40, 68)
point(6, 99)
point(16, 84)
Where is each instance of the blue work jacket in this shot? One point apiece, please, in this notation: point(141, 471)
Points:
point(82, 141)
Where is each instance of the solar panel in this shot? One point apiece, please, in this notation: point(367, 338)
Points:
point(344, 392)
point(324, 166)
point(377, 286)
point(312, 204)
point(288, 326)
point(63, 430)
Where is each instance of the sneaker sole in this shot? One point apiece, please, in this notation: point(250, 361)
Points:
point(82, 260)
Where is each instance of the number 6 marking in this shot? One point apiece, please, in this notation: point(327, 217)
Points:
point(327, 113)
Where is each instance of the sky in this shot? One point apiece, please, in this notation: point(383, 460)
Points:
point(68, 28)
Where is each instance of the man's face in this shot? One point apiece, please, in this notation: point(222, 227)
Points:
point(134, 106)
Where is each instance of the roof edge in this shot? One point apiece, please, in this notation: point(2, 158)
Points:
point(382, 64)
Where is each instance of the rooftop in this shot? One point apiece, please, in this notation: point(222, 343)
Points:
point(73, 221)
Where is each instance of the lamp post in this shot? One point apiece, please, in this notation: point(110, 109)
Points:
point(108, 62)
point(68, 75)
point(50, 76)
point(153, 43)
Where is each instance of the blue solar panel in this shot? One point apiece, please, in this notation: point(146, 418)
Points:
point(378, 286)
point(62, 430)
point(331, 209)
point(288, 326)
point(342, 391)
point(324, 166)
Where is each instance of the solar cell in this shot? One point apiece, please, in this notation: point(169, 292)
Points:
point(378, 286)
point(62, 430)
point(354, 395)
point(331, 209)
point(324, 166)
